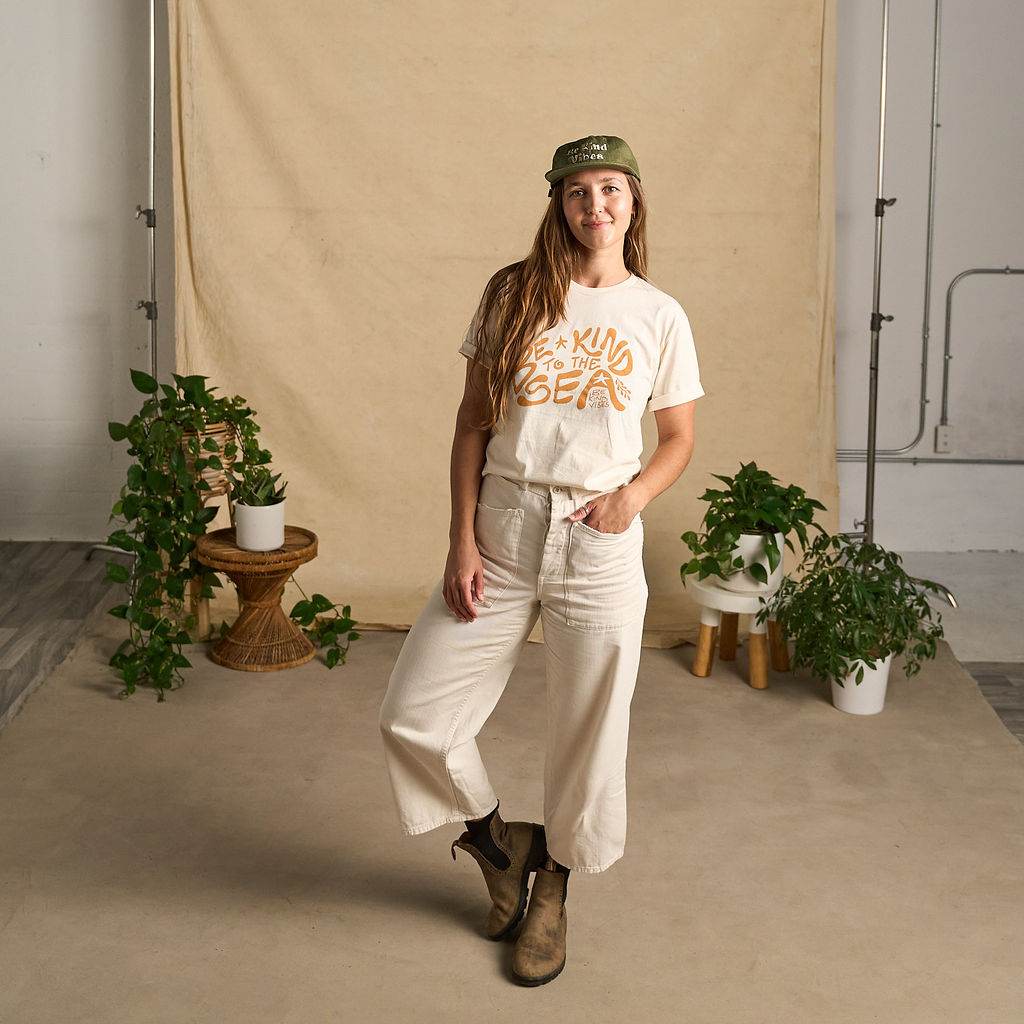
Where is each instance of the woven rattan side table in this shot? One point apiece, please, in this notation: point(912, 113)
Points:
point(263, 638)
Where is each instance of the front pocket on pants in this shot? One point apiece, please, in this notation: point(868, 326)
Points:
point(605, 585)
point(497, 531)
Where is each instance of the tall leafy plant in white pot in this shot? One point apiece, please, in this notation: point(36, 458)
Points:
point(744, 529)
point(853, 609)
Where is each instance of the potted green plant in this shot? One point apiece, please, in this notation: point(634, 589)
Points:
point(184, 441)
point(179, 448)
point(744, 529)
point(259, 504)
point(854, 608)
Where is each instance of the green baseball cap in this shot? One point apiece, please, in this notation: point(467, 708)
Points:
point(592, 151)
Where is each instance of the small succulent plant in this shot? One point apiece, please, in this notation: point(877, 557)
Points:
point(256, 486)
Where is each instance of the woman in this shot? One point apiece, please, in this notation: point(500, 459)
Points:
point(566, 350)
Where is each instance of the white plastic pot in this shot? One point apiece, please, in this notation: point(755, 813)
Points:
point(868, 696)
point(259, 527)
point(750, 547)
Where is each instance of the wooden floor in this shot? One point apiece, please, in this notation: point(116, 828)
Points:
point(51, 590)
point(1002, 684)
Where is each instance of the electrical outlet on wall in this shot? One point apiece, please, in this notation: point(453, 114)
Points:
point(944, 438)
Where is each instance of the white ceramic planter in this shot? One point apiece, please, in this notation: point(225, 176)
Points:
point(751, 548)
point(259, 527)
point(868, 696)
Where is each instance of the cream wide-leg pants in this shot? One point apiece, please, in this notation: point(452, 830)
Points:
point(591, 591)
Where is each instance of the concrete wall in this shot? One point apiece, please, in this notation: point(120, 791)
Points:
point(979, 221)
point(75, 263)
point(75, 259)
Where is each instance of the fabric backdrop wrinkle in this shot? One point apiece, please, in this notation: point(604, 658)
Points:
point(347, 177)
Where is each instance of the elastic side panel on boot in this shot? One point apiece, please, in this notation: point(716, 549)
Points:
point(481, 834)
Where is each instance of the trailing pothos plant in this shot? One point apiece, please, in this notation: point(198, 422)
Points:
point(753, 502)
point(161, 503)
point(325, 632)
point(854, 602)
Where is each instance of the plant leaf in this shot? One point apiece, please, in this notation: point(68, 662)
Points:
point(143, 382)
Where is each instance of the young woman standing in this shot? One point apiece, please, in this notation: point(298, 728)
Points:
point(567, 349)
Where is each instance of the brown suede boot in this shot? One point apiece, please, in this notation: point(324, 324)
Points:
point(539, 953)
point(524, 843)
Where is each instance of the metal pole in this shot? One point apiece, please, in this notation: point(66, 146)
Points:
point(150, 211)
point(150, 214)
point(877, 318)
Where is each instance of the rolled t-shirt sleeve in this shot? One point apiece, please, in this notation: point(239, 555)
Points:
point(469, 341)
point(677, 379)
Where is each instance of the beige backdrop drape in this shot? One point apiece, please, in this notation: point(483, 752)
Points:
point(347, 177)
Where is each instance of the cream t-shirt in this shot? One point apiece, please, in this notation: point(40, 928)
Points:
point(583, 386)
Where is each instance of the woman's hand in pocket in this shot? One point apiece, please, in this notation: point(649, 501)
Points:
point(463, 580)
point(608, 513)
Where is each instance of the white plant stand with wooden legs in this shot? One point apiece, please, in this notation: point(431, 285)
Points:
point(720, 610)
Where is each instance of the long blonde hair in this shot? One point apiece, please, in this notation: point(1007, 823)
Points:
point(528, 297)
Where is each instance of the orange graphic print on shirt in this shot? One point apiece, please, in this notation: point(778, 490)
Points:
point(588, 370)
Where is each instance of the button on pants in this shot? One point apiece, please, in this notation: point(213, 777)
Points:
point(591, 593)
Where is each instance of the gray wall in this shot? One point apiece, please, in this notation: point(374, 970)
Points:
point(979, 221)
point(75, 262)
point(75, 259)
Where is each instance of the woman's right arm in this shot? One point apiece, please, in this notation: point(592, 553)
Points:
point(464, 573)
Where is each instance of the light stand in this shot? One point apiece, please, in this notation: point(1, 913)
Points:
point(877, 318)
point(150, 214)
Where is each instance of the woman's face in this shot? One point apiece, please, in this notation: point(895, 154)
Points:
point(598, 205)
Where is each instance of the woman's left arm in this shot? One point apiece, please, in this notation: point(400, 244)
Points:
point(670, 458)
point(617, 508)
